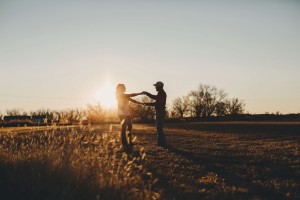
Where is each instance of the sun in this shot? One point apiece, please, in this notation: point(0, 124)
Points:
point(106, 95)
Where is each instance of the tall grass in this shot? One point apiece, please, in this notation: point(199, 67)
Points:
point(71, 163)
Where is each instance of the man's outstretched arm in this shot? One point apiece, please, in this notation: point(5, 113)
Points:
point(150, 95)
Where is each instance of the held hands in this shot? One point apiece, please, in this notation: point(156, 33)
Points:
point(142, 93)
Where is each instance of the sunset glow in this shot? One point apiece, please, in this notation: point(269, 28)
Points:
point(248, 48)
point(106, 95)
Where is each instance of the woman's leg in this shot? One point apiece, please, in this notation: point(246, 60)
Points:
point(123, 131)
point(129, 129)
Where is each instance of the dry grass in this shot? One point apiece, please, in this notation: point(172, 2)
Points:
point(71, 163)
point(202, 161)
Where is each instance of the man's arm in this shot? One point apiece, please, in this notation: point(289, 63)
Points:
point(150, 95)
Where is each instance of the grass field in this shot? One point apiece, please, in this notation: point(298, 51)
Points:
point(202, 161)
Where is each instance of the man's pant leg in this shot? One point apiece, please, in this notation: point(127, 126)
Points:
point(160, 117)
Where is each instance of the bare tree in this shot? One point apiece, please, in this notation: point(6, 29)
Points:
point(196, 103)
point(206, 101)
point(13, 112)
point(221, 108)
point(95, 113)
point(220, 105)
point(235, 106)
point(180, 106)
point(212, 99)
point(73, 116)
point(209, 99)
point(50, 115)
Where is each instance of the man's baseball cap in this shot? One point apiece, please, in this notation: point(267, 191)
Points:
point(159, 84)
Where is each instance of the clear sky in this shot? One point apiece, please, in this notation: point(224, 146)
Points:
point(61, 54)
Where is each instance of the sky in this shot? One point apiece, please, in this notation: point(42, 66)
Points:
point(64, 54)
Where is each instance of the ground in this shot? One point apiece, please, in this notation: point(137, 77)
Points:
point(231, 160)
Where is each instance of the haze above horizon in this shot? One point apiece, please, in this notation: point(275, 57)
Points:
point(60, 55)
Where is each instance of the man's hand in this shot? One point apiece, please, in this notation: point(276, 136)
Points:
point(144, 93)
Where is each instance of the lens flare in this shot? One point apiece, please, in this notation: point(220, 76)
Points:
point(106, 95)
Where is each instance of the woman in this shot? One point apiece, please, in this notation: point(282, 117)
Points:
point(124, 114)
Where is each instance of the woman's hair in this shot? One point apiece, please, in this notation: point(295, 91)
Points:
point(120, 89)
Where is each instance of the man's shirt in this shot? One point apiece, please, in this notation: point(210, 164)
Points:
point(161, 98)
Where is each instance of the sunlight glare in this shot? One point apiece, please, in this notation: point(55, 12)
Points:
point(106, 95)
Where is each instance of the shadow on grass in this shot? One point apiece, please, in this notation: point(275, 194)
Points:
point(35, 180)
point(244, 171)
point(253, 161)
point(245, 128)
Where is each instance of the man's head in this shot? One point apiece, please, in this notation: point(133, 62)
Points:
point(159, 85)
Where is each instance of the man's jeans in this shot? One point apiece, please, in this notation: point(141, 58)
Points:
point(160, 117)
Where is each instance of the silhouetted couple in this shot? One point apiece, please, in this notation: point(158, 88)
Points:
point(125, 117)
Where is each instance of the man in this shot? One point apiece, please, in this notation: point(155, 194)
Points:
point(160, 107)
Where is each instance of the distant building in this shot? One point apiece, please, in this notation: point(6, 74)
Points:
point(15, 118)
point(34, 119)
point(39, 119)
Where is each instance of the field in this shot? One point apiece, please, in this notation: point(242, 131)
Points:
point(231, 160)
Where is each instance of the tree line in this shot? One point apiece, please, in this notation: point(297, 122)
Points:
point(204, 102)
